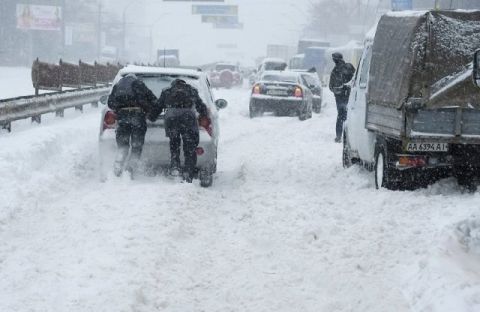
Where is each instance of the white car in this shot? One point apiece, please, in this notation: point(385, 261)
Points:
point(156, 151)
point(269, 64)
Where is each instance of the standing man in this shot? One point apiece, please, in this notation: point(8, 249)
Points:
point(341, 74)
point(181, 124)
point(131, 100)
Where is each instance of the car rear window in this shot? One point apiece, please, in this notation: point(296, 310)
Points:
point(157, 83)
point(275, 66)
point(224, 67)
point(280, 78)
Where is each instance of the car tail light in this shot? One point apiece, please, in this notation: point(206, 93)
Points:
point(407, 161)
point(109, 120)
point(206, 124)
point(200, 151)
point(298, 92)
point(256, 89)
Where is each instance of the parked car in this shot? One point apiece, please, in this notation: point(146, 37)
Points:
point(412, 116)
point(269, 64)
point(156, 151)
point(311, 80)
point(226, 75)
point(281, 92)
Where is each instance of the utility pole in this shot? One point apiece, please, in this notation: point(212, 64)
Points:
point(64, 16)
point(99, 30)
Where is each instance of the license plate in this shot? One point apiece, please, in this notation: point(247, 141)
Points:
point(276, 92)
point(427, 147)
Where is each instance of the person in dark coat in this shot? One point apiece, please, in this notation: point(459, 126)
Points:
point(131, 100)
point(179, 101)
point(341, 74)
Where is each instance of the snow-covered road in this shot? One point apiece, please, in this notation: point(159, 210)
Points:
point(284, 228)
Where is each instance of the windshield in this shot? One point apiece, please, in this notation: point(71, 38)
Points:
point(280, 78)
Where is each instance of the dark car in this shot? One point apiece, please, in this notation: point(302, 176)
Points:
point(311, 80)
point(283, 93)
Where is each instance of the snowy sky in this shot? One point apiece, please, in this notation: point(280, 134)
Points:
point(265, 21)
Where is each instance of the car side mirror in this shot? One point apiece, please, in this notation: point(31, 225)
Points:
point(476, 68)
point(221, 103)
point(104, 99)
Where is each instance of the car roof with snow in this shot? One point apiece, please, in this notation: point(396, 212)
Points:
point(134, 69)
point(280, 74)
point(273, 60)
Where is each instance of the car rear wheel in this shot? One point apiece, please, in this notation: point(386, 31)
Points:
point(317, 107)
point(206, 178)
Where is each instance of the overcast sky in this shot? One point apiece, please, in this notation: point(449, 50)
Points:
point(174, 26)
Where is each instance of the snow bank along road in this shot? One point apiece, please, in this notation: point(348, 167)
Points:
point(284, 228)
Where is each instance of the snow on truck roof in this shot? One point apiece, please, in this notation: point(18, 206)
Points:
point(273, 60)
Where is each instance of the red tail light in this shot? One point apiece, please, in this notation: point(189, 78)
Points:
point(206, 124)
point(256, 89)
point(412, 161)
point(109, 120)
point(298, 92)
point(200, 151)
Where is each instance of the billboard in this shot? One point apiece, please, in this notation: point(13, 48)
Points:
point(401, 5)
point(39, 17)
point(219, 19)
point(228, 25)
point(194, 0)
point(215, 9)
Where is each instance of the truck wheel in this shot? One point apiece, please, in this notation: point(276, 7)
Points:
point(384, 174)
point(302, 114)
point(317, 107)
point(255, 111)
point(346, 158)
point(465, 178)
point(206, 178)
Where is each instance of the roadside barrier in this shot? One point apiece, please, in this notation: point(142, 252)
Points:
point(89, 82)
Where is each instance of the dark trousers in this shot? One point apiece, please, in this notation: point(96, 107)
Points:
point(131, 130)
point(342, 102)
point(181, 125)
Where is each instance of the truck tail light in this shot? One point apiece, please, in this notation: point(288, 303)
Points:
point(298, 92)
point(409, 161)
point(256, 89)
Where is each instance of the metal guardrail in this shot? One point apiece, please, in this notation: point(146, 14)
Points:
point(36, 105)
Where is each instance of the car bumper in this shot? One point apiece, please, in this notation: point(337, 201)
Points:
point(272, 104)
point(156, 150)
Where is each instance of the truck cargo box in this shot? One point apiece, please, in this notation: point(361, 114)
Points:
point(421, 75)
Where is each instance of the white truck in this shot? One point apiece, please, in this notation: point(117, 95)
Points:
point(414, 109)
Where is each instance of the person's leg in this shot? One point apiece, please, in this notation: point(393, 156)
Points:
point(190, 139)
point(172, 132)
point(139, 128)
point(122, 136)
point(341, 117)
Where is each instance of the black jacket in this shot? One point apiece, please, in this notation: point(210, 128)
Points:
point(179, 95)
point(131, 92)
point(341, 74)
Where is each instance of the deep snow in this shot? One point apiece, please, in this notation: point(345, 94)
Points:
point(284, 228)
